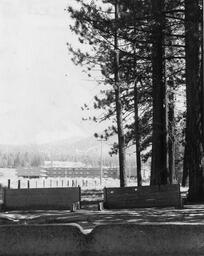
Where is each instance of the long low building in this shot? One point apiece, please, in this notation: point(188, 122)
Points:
point(77, 169)
point(31, 172)
point(69, 172)
point(91, 172)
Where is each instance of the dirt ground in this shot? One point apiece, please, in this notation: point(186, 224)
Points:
point(88, 219)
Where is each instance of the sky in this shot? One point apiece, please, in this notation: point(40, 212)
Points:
point(41, 90)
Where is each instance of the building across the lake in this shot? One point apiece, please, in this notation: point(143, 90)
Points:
point(63, 164)
point(77, 169)
point(31, 173)
point(65, 169)
point(85, 172)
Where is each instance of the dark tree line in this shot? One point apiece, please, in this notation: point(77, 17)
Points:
point(27, 159)
point(148, 52)
point(19, 159)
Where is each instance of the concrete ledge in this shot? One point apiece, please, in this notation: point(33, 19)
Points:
point(41, 240)
point(155, 239)
point(109, 240)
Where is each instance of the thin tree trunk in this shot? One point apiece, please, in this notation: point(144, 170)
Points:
point(185, 168)
point(137, 126)
point(137, 136)
point(121, 136)
point(159, 139)
point(171, 138)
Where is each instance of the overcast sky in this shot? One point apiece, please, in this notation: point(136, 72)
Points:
point(41, 91)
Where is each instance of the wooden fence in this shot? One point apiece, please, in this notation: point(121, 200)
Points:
point(41, 198)
point(145, 196)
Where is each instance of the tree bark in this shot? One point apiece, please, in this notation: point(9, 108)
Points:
point(137, 136)
point(185, 168)
point(159, 140)
point(137, 126)
point(194, 129)
point(201, 76)
point(120, 129)
point(171, 138)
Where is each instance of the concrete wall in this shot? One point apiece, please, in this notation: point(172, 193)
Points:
point(41, 198)
point(107, 240)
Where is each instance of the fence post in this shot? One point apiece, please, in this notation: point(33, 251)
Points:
point(74, 207)
point(79, 197)
point(72, 183)
point(105, 196)
point(19, 184)
point(67, 183)
point(57, 183)
point(100, 206)
point(62, 183)
point(9, 183)
point(28, 183)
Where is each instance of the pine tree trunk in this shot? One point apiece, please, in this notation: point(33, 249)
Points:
point(171, 139)
point(201, 78)
point(185, 168)
point(121, 136)
point(194, 107)
point(137, 136)
point(159, 139)
point(202, 100)
point(137, 127)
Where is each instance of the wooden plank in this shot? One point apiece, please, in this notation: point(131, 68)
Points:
point(147, 196)
point(41, 198)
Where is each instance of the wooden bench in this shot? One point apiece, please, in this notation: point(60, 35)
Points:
point(141, 197)
point(41, 198)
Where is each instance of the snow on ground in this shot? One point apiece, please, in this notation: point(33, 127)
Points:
point(85, 183)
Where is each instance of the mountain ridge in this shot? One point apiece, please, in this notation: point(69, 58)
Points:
point(74, 146)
